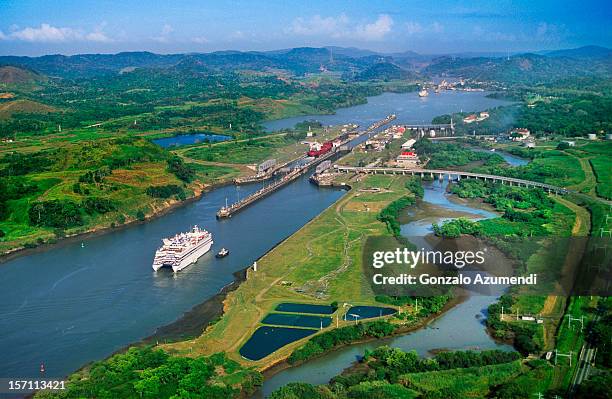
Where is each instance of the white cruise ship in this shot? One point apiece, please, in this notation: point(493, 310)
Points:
point(183, 249)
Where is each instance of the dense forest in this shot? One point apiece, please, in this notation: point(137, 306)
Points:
point(152, 373)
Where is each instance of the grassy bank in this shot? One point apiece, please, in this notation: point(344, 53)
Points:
point(318, 264)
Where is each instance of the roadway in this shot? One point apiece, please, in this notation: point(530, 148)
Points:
point(443, 172)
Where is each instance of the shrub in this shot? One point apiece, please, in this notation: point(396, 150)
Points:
point(98, 205)
point(180, 170)
point(55, 213)
point(166, 191)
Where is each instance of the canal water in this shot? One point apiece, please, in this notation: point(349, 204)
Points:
point(461, 328)
point(79, 302)
point(409, 108)
point(510, 159)
point(72, 304)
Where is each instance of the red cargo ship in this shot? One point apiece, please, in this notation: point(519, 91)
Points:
point(323, 149)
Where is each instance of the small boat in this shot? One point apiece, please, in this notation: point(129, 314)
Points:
point(223, 253)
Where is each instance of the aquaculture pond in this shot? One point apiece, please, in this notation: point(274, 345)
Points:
point(266, 340)
point(188, 139)
point(367, 312)
point(304, 308)
point(296, 320)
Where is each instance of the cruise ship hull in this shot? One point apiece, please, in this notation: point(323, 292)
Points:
point(179, 264)
point(192, 258)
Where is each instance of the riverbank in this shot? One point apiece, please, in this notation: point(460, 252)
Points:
point(317, 263)
point(274, 369)
point(168, 207)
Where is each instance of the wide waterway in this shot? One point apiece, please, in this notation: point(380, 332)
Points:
point(80, 302)
point(409, 108)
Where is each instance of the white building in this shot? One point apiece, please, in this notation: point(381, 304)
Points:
point(519, 134)
point(408, 144)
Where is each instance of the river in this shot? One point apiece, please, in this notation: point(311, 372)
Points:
point(75, 302)
point(460, 328)
point(409, 108)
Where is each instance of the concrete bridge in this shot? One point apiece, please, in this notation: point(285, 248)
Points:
point(439, 173)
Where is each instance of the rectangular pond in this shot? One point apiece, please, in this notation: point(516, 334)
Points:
point(304, 308)
point(266, 340)
point(296, 320)
point(367, 312)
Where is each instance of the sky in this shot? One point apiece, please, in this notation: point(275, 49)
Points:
point(29, 27)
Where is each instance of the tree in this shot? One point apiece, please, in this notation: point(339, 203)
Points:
point(148, 386)
point(55, 213)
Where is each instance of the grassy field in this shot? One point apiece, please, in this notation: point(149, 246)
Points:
point(318, 264)
point(251, 151)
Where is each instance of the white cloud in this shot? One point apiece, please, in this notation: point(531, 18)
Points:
point(237, 35)
point(200, 40)
point(47, 33)
point(376, 30)
point(341, 27)
point(318, 26)
point(414, 28)
point(164, 36)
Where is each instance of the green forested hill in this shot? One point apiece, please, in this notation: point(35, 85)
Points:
point(385, 71)
point(521, 69)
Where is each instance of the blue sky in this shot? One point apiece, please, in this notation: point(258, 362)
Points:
point(30, 27)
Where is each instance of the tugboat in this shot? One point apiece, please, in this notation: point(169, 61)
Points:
point(222, 254)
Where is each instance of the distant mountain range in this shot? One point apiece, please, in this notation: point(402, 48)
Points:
point(351, 62)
